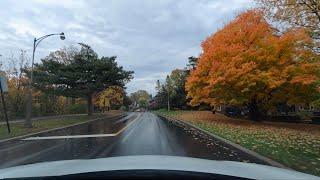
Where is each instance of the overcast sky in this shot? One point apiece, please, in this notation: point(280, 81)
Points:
point(149, 37)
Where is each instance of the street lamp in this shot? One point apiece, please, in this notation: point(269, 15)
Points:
point(36, 42)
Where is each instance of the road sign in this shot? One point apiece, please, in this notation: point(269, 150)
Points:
point(4, 88)
point(3, 81)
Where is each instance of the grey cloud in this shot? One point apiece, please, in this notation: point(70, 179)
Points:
point(150, 37)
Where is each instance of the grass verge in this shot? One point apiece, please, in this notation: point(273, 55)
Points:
point(294, 145)
point(17, 129)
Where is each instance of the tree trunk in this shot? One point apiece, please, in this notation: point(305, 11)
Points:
point(73, 101)
point(90, 105)
point(254, 113)
point(27, 121)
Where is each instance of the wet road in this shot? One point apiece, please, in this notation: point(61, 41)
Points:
point(135, 134)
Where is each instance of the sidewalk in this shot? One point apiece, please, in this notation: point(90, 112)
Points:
point(2, 122)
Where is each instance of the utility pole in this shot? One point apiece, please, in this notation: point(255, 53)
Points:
point(168, 84)
point(168, 92)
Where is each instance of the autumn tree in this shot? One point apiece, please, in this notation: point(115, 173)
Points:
point(113, 95)
point(15, 98)
point(17, 84)
point(247, 63)
point(295, 13)
point(140, 98)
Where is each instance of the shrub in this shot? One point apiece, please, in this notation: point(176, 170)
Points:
point(77, 109)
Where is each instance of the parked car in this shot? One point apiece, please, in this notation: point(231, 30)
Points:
point(232, 111)
point(315, 117)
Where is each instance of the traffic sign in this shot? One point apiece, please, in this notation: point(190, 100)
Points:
point(4, 88)
point(3, 81)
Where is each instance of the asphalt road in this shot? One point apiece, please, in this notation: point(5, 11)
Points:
point(136, 134)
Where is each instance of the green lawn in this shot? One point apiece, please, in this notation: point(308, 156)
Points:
point(17, 129)
point(294, 145)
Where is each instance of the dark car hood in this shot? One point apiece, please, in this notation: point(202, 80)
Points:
point(238, 169)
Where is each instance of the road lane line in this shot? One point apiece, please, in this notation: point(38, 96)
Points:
point(128, 133)
point(69, 137)
point(128, 125)
point(82, 136)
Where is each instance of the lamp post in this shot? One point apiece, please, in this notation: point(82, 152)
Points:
point(36, 42)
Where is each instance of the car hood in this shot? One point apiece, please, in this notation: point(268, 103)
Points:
point(231, 168)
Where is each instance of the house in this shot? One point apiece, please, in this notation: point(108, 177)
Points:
point(280, 110)
point(284, 109)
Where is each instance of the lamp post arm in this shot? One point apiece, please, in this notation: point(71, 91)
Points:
point(43, 37)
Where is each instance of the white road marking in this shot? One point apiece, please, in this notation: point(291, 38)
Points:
point(69, 137)
point(82, 136)
point(127, 135)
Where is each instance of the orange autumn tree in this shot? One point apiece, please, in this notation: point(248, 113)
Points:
point(248, 64)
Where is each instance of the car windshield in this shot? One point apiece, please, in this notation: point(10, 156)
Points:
point(235, 81)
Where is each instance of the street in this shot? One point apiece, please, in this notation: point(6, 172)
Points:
point(138, 133)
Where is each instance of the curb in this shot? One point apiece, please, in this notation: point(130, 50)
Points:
point(250, 152)
point(59, 128)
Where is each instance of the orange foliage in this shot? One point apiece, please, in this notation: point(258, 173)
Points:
point(248, 60)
